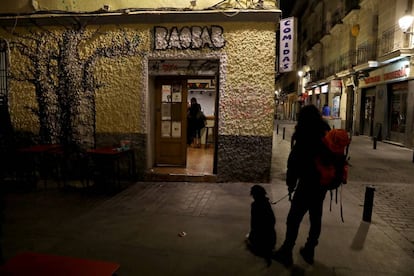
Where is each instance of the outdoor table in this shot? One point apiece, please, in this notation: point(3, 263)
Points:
point(39, 159)
point(108, 160)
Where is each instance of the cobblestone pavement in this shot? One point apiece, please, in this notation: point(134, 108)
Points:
point(388, 168)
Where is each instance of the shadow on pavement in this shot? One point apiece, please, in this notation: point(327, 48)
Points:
point(361, 235)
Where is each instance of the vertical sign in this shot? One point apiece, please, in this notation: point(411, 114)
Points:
point(287, 45)
point(3, 73)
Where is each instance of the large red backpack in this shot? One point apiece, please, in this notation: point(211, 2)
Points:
point(331, 163)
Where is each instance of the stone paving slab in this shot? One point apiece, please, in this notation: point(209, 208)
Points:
point(122, 229)
point(139, 226)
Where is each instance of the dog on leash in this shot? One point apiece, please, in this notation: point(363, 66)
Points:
point(261, 239)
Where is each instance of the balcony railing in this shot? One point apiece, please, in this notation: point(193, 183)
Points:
point(329, 70)
point(366, 51)
point(346, 61)
point(390, 41)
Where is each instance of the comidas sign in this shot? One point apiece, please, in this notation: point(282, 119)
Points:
point(287, 45)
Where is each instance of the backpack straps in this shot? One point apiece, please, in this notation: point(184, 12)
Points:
point(330, 203)
point(340, 200)
point(336, 201)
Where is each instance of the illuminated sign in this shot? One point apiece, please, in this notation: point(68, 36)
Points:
point(395, 71)
point(401, 73)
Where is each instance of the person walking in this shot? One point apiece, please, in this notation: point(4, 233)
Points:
point(303, 180)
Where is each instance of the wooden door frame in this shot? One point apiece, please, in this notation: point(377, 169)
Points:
point(152, 115)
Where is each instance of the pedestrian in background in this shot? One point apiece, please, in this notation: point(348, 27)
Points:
point(303, 179)
point(261, 239)
point(326, 110)
point(196, 122)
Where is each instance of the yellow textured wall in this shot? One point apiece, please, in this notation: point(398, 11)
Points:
point(119, 101)
point(27, 6)
point(21, 104)
point(246, 96)
point(22, 98)
point(79, 5)
point(247, 105)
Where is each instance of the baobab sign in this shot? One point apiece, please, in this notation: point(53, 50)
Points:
point(194, 37)
point(287, 45)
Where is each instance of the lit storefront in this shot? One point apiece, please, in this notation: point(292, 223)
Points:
point(109, 76)
point(386, 103)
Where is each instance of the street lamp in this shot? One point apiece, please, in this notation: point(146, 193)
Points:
point(405, 23)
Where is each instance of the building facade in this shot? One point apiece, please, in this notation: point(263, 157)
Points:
point(357, 59)
point(98, 73)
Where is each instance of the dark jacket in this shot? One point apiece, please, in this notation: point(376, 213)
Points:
point(196, 118)
point(301, 170)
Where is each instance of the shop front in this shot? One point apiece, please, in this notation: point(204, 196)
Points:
point(387, 104)
point(97, 81)
point(327, 94)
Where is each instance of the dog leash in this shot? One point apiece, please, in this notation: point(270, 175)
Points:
point(279, 200)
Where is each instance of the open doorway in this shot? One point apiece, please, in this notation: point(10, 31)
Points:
point(173, 156)
point(200, 157)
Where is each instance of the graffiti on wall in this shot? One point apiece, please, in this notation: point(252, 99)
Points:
point(63, 79)
point(194, 37)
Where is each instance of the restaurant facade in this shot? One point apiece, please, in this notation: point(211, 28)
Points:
point(386, 101)
point(104, 74)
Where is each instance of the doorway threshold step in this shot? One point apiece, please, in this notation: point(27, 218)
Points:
point(183, 174)
point(171, 177)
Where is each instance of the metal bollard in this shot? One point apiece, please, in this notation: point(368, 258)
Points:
point(368, 203)
point(375, 143)
point(277, 129)
point(284, 132)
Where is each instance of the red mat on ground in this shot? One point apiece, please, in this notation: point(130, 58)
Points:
point(34, 264)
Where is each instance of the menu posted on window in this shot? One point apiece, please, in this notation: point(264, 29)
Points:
point(166, 93)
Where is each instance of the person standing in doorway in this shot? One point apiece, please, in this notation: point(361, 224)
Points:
point(196, 122)
point(303, 179)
